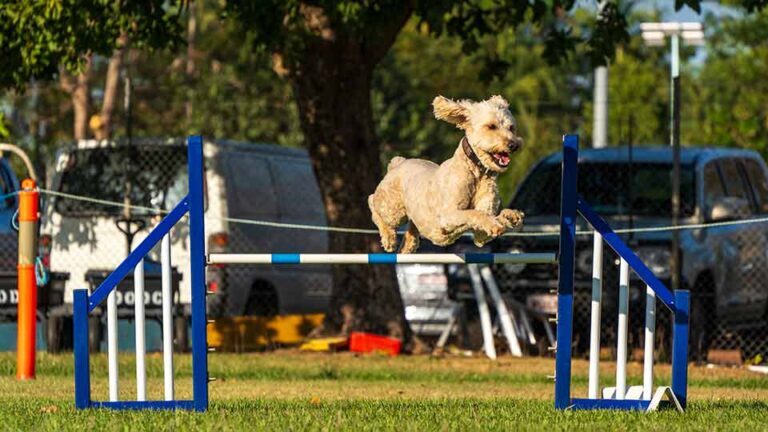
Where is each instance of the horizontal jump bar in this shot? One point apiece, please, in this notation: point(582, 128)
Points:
point(385, 258)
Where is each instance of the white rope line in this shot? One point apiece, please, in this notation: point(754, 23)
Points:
point(156, 210)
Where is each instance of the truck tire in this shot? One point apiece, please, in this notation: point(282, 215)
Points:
point(180, 334)
point(703, 322)
point(53, 336)
point(262, 300)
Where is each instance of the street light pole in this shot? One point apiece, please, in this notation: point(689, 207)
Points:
point(674, 138)
point(693, 34)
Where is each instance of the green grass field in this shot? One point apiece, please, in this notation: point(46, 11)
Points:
point(298, 391)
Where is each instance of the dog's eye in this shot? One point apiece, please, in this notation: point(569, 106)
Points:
point(513, 129)
point(491, 126)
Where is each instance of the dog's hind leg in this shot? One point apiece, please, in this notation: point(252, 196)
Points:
point(410, 240)
point(388, 233)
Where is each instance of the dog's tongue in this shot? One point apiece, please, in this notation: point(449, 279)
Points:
point(502, 159)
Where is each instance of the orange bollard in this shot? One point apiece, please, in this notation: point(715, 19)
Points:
point(26, 281)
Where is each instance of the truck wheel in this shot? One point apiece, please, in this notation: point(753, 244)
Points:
point(94, 334)
point(180, 334)
point(53, 328)
point(262, 301)
point(702, 321)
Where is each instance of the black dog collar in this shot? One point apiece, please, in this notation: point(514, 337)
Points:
point(473, 157)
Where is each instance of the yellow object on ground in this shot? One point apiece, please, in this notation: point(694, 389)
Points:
point(244, 333)
point(325, 344)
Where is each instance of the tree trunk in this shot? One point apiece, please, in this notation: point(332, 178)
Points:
point(81, 102)
point(331, 79)
point(110, 89)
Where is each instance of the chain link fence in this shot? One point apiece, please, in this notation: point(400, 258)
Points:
point(88, 224)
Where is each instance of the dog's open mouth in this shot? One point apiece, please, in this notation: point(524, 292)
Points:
point(501, 159)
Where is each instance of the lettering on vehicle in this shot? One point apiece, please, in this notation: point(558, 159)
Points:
point(10, 296)
point(128, 298)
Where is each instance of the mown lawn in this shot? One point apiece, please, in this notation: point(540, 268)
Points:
point(298, 391)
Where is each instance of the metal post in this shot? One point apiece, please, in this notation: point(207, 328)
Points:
point(600, 110)
point(594, 333)
point(26, 281)
point(675, 142)
point(82, 366)
point(568, 198)
point(197, 267)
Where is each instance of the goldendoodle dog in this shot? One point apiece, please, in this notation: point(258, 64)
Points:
point(441, 202)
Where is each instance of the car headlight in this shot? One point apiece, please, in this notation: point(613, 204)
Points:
point(657, 259)
point(514, 268)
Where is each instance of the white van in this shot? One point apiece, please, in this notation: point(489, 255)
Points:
point(84, 226)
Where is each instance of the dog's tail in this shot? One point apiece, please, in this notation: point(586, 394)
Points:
point(395, 162)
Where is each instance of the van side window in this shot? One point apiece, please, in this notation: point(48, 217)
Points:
point(252, 193)
point(713, 187)
point(296, 183)
point(734, 182)
point(757, 178)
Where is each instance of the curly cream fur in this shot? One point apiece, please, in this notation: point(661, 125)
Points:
point(441, 202)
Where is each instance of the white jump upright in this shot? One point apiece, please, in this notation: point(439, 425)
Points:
point(141, 346)
point(650, 340)
point(114, 384)
point(167, 291)
point(85, 302)
point(594, 323)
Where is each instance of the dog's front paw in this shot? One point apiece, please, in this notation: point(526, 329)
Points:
point(389, 243)
point(491, 229)
point(511, 218)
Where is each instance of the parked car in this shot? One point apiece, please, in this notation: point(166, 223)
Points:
point(243, 182)
point(725, 267)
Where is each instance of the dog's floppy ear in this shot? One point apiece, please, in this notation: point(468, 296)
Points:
point(451, 111)
point(499, 101)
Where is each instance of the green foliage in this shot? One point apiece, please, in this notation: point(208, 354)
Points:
point(544, 98)
point(729, 102)
point(4, 131)
point(38, 36)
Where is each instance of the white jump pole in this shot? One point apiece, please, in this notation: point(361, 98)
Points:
point(485, 314)
point(621, 344)
point(138, 302)
point(594, 333)
point(114, 388)
point(504, 314)
point(650, 332)
point(425, 258)
point(165, 259)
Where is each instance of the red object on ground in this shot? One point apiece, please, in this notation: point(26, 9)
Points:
point(367, 342)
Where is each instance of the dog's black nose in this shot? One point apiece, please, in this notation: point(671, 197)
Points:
point(515, 145)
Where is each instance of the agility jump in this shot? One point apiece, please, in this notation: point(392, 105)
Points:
point(617, 397)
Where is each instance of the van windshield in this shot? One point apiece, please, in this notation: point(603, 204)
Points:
point(157, 175)
point(607, 187)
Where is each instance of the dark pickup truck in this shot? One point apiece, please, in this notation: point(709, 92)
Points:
point(725, 265)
